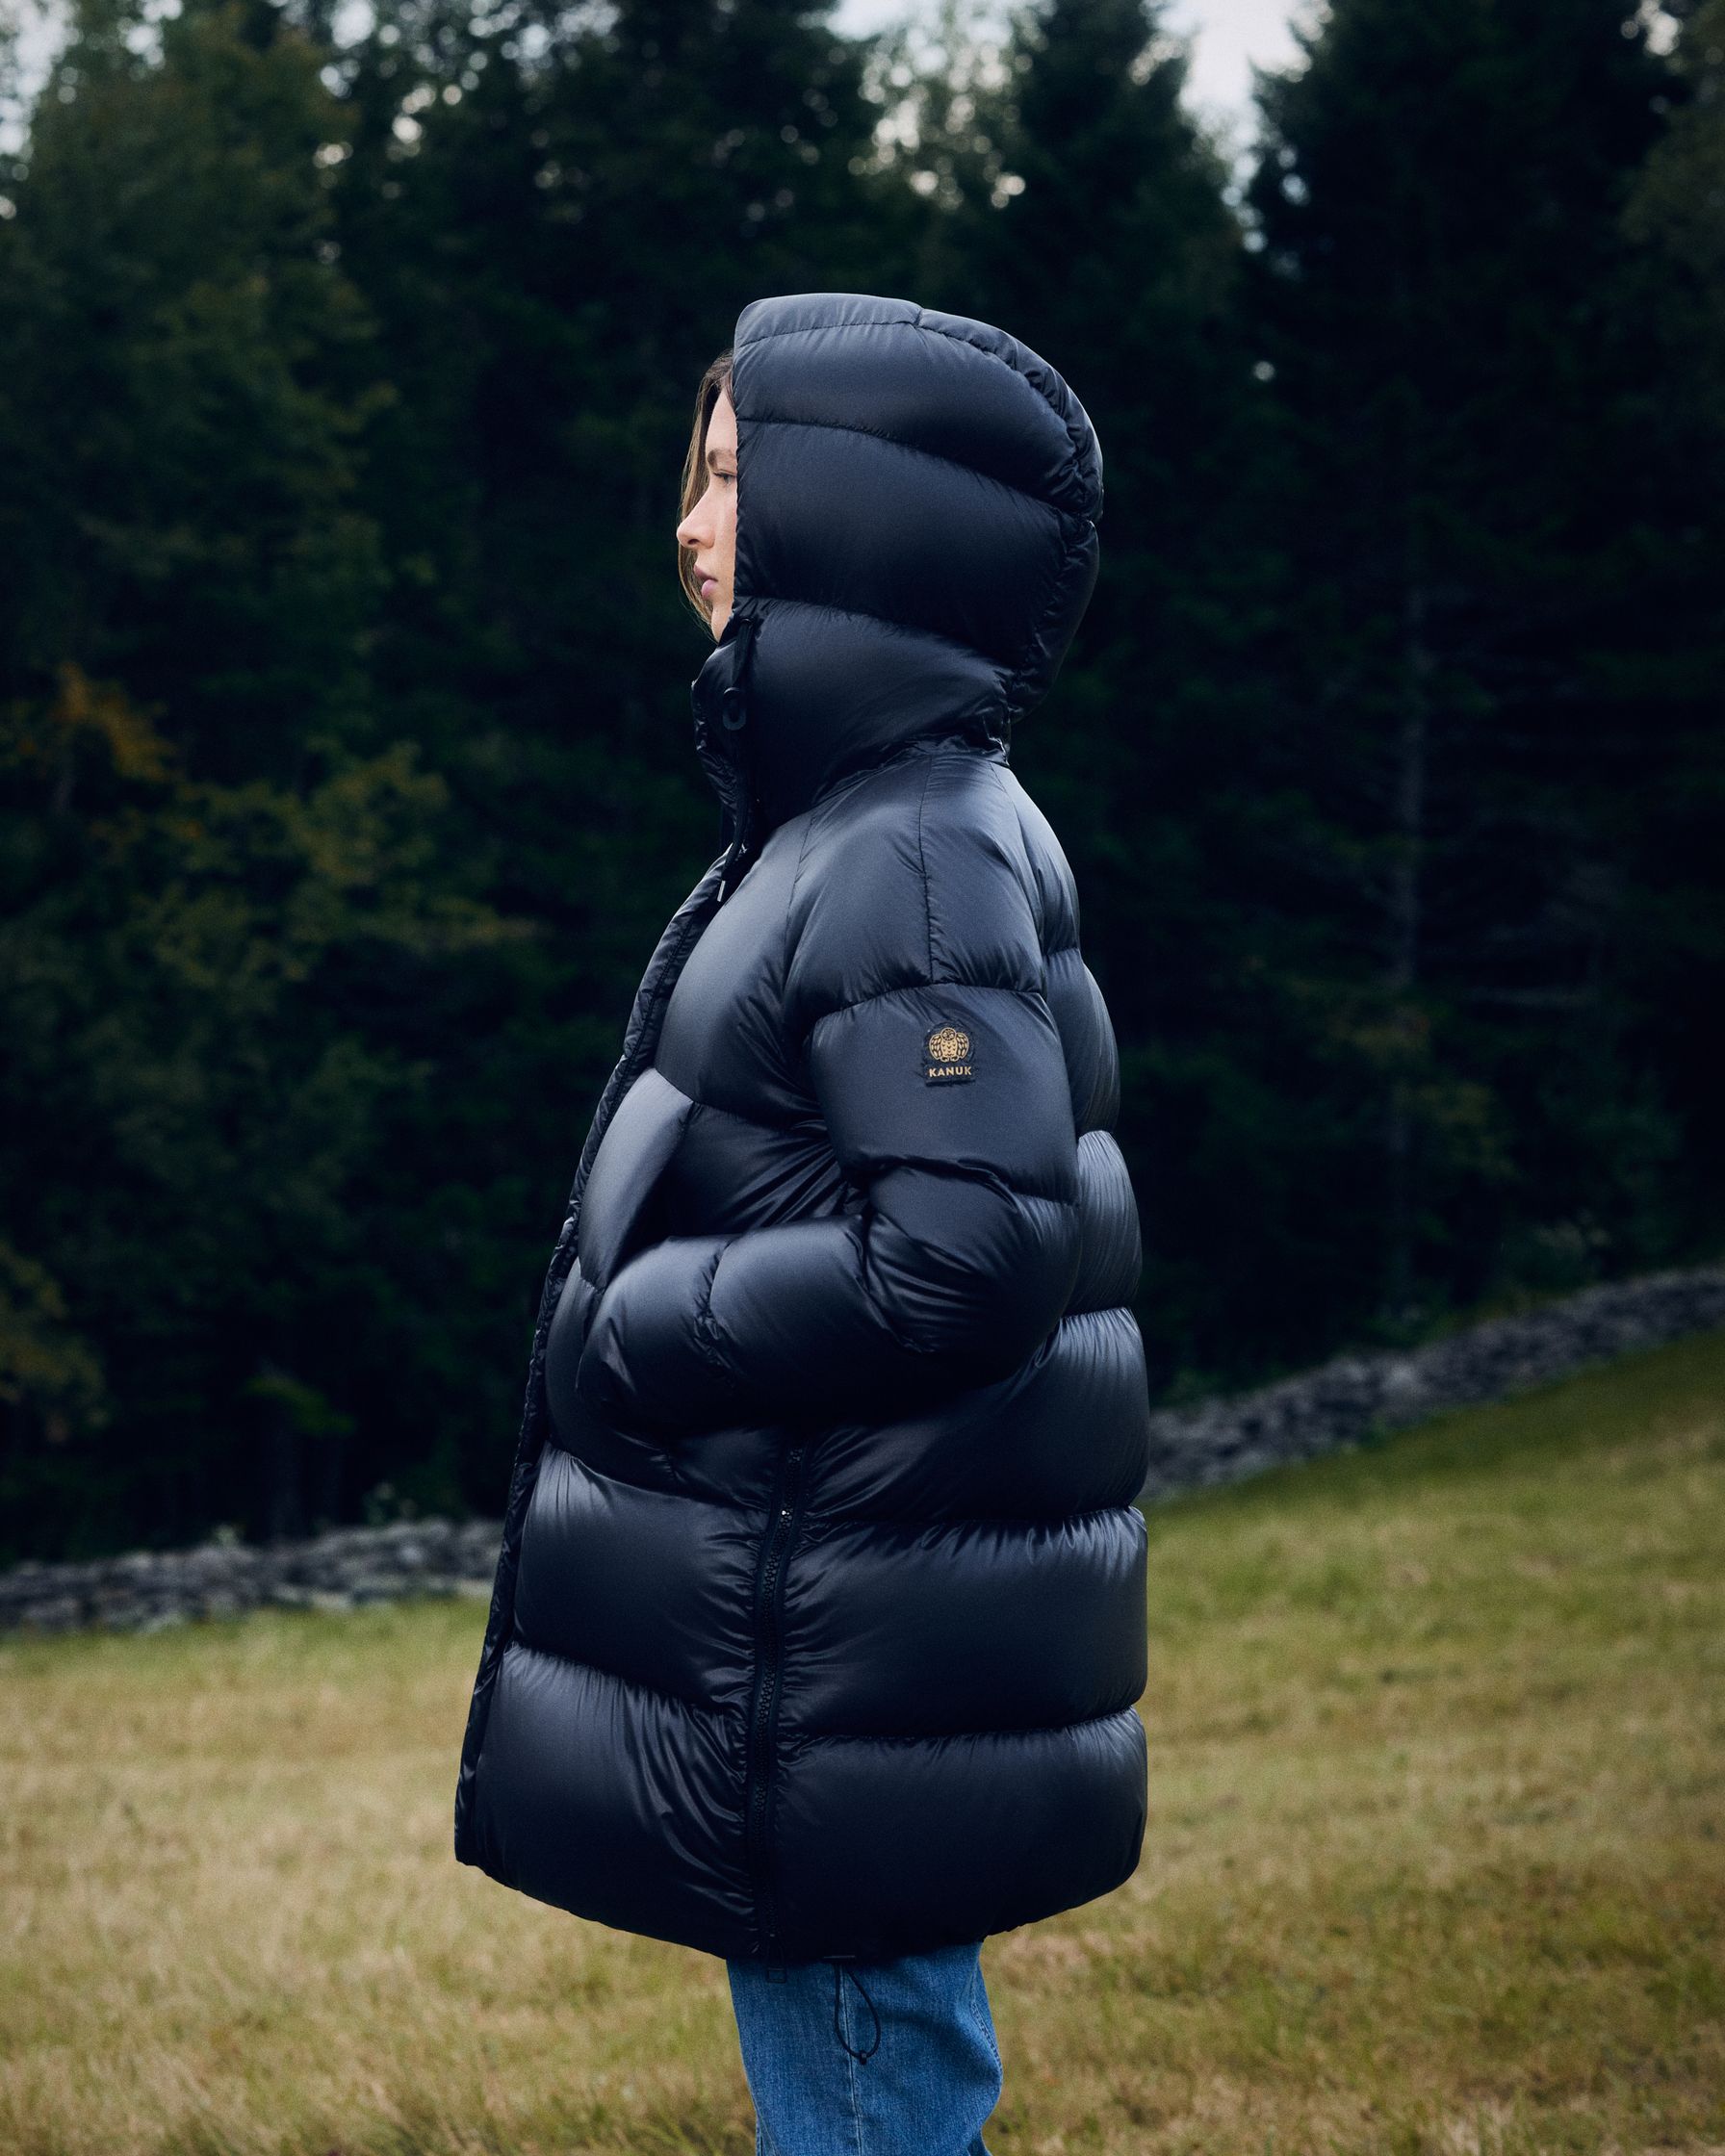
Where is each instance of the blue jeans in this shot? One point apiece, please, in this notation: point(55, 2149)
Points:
point(868, 2059)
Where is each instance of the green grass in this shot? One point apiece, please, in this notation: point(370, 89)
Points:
point(1435, 1862)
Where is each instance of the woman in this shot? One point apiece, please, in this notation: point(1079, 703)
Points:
point(820, 1617)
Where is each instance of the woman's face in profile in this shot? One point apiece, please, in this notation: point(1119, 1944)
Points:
point(709, 528)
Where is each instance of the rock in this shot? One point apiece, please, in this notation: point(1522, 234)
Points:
point(1356, 1397)
point(145, 1590)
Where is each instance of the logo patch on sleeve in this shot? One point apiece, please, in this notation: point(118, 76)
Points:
point(946, 1056)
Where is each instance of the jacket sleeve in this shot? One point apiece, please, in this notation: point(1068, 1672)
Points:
point(962, 1247)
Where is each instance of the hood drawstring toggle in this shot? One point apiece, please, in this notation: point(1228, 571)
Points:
point(840, 1971)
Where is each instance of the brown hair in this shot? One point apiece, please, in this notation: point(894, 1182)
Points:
point(717, 378)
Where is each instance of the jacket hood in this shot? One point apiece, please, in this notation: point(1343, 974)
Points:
point(917, 501)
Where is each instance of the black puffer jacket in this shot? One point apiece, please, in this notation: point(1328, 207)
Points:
point(820, 1612)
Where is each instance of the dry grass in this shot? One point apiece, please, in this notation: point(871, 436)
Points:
point(1436, 1862)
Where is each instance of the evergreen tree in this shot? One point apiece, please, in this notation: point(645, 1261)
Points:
point(345, 763)
point(1671, 309)
point(184, 378)
point(218, 889)
point(1439, 194)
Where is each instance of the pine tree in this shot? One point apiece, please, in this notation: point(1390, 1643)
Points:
point(1438, 193)
point(186, 380)
point(1671, 313)
point(219, 889)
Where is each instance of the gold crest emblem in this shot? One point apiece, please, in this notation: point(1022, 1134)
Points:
point(946, 1056)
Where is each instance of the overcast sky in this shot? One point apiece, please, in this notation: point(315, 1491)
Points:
point(1227, 36)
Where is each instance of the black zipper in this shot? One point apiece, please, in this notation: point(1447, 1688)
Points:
point(769, 1601)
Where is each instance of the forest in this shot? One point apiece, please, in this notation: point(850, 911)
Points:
point(346, 367)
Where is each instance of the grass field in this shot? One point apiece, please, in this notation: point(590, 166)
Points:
point(1435, 1862)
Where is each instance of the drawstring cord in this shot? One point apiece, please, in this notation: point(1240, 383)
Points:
point(840, 1971)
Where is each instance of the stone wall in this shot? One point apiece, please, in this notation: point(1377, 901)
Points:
point(1354, 1397)
point(1344, 1400)
point(146, 1589)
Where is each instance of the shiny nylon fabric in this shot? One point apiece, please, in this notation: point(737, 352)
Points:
point(819, 1615)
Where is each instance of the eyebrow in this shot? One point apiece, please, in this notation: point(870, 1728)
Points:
point(711, 454)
